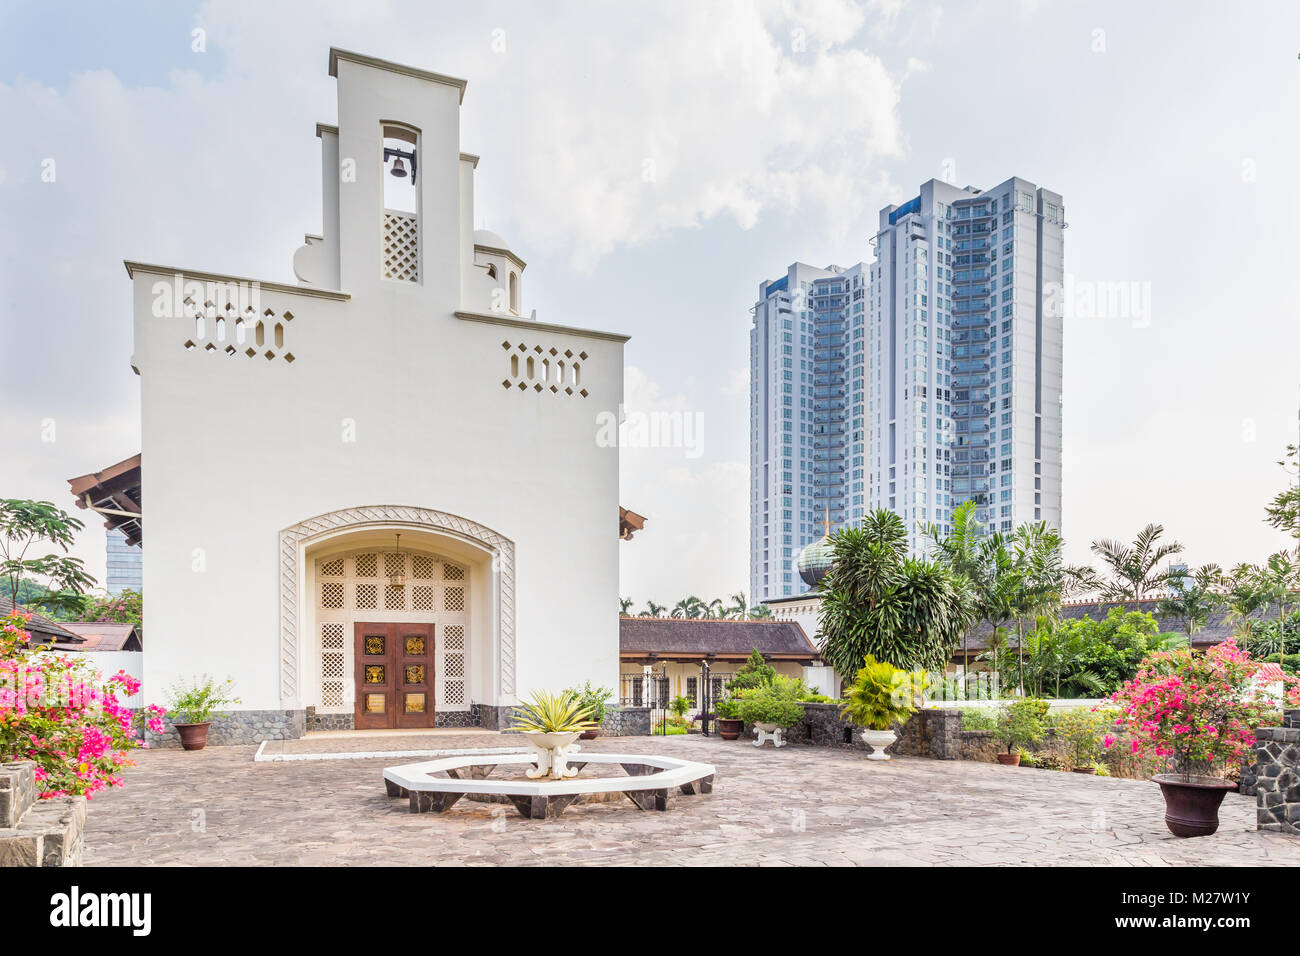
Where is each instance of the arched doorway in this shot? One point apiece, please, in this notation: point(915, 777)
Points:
point(456, 593)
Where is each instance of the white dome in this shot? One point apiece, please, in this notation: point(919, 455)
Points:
point(486, 237)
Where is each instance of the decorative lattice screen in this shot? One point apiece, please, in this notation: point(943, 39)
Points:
point(401, 247)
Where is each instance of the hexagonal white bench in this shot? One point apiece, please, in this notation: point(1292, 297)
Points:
point(648, 781)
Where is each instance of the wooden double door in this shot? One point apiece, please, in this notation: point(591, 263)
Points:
point(394, 676)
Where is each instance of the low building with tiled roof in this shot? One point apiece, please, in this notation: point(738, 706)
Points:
point(105, 636)
point(663, 657)
point(41, 628)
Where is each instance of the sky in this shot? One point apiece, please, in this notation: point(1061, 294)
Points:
point(653, 163)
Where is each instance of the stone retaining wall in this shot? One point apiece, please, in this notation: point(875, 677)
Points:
point(36, 832)
point(929, 733)
point(618, 722)
point(1276, 773)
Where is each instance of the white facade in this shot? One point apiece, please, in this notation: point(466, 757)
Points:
point(291, 432)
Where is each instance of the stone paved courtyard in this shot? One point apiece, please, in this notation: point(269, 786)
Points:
point(798, 805)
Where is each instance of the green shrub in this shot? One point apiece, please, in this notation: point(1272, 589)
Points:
point(752, 674)
point(197, 701)
point(1082, 730)
point(593, 700)
point(769, 706)
point(1020, 724)
point(973, 718)
point(727, 709)
point(1045, 760)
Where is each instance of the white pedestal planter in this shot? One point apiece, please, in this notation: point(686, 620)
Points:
point(552, 750)
point(770, 732)
point(878, 740)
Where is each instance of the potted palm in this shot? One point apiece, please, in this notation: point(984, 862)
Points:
point(192, 706)
point(1196, 712)
point(1019, 724)
point(881, 695)
point(552, 723)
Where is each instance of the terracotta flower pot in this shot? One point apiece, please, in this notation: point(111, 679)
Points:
point(1009, 760)
point(1084, 769)
point(193, 736)
point(1192, 802)
point(589, 734)
point(729, 729)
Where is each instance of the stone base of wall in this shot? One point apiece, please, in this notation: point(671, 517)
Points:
point(314, 722)
point(37, 832)
point(979, 745)
point(626, 722)
point(239, 727)
point(254, 726)
point(494, 717)
point(1276, 773)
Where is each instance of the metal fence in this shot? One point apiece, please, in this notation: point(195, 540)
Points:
point(655, 690)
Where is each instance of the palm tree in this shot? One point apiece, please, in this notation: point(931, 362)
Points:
point(715, 609)
point(653, 610)
point(691, 608)
point(1133, 567)
point(998, 592)
point(740, 606)
point(960, 551)
point(624, 606)
point(1191, 602)
point(1248, 590)
point(1041, 575)
point(875, 600)
point(760, 612)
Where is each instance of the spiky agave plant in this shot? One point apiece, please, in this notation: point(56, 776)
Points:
point(546, 713)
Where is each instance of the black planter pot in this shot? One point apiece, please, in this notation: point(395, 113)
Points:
point(1192, 802)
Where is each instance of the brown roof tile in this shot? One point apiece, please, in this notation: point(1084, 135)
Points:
point(679, 637)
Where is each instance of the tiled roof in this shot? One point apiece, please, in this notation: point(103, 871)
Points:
point(678, 637)
point(106, 636)
point(42, 629)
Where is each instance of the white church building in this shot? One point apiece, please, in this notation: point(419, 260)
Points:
point(376, 497)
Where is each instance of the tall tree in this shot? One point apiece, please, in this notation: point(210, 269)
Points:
point(653, 610)
point(27, 525)
point(906, 611)
point(1134, 568)
point(624, 606)
point(1039, 581)
point(1283, 512)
